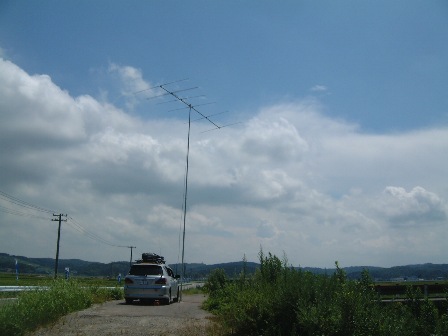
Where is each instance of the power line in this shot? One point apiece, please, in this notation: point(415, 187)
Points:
point(20, 213)
point(78, 227)
point(21, 203)
point(28, 206)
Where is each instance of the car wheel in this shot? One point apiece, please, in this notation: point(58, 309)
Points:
point(128, 301)
point(168, 300)
point(177, 296)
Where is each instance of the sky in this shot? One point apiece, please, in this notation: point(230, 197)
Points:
point(332, 144)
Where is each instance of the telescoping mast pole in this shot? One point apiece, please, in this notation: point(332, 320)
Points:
point(190, 107)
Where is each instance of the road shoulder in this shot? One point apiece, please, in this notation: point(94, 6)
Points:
point(117, 318)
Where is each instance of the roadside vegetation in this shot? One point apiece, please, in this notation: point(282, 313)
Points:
point(281, 300)
point(45, 305)
point(194, 290)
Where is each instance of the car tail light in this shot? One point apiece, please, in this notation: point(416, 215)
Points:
point(128, 281)
point(161, 281)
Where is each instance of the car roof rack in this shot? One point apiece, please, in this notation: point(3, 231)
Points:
point(152, 258)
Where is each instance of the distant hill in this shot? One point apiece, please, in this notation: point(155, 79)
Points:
point(408, 272)
point(77, 267)
point(422, 271)
point(201, 271)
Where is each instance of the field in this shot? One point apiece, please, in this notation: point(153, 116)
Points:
point(398, 290)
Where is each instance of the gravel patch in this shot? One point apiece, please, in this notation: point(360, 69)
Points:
point(117, 318)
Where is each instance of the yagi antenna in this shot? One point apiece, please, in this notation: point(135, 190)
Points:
point(184, 101)
point(214, 129)
point(210, 115)
point(183, 108)
point(155, 87)
point(176, 100)
point(190, 107)
point(169, 93)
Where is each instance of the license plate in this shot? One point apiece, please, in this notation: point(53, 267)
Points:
point(143, 282)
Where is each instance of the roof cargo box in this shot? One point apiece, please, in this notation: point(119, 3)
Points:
point(152, 257)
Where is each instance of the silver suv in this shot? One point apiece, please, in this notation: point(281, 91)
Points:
point(151, 279)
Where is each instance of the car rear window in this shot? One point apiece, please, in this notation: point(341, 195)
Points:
point(145, 270)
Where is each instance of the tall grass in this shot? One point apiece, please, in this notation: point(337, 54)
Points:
point(43, 306)
point(280, 300)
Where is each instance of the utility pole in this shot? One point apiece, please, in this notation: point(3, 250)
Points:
point(60, 220)
point(130, 261)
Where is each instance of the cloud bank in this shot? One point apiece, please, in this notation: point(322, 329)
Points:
point(289, 179)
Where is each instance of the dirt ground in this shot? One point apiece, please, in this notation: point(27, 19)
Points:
point(117, 318)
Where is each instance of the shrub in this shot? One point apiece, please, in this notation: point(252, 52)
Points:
point(281, 300)
point(216, 281)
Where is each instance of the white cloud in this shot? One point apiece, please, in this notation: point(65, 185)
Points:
point(290, 179)
point(418, 207)
point(37, 109)
point(131, 77)
point(134, 87)
point(273, 140)
point(319, 88)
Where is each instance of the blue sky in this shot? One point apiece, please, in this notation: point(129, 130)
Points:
point(340, 149)
point(383, 63)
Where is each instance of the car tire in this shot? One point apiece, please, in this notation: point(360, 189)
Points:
point(177, 296)
point(128, 301)
point(168, 300)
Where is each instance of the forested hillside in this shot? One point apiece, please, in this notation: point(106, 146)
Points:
point(200, 270)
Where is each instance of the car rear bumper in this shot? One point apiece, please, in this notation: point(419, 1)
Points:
point(147, 292)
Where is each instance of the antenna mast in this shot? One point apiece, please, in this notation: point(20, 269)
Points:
point(185, 206)
point(190, 107)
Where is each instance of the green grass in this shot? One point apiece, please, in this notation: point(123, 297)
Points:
point(5, 295)
point(43, 306)
point(192, 291)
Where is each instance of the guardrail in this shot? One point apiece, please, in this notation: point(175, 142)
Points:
point(21, 288)
point(28, 288)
